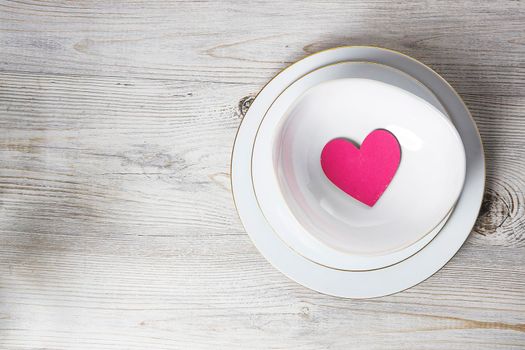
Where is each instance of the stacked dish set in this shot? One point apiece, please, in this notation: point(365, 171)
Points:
point(358, 172)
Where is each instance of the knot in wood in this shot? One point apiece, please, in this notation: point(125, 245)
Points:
point(244, 105)
point(492, 215)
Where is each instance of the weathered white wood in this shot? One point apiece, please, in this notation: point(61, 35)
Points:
point(117, 225)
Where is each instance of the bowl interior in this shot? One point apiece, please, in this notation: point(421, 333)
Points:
point(424, 189)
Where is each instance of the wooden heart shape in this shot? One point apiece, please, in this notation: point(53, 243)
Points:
point(363, 173)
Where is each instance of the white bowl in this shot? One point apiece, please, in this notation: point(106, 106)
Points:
point(321, 222)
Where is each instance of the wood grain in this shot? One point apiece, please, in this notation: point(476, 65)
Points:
point(117, 225)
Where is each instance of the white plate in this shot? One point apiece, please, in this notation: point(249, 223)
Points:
point(363, 284)
point(318, 220)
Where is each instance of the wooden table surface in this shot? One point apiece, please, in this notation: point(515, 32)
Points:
point(117, 225)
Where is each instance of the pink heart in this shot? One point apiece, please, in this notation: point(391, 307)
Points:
point(363, 173)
